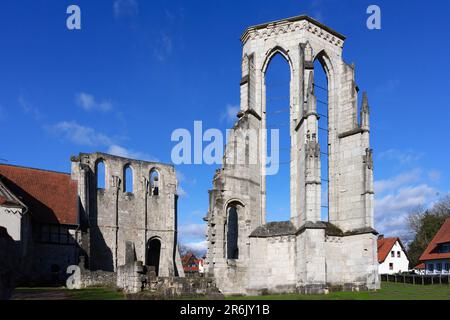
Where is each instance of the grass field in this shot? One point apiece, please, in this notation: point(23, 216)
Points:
point(64, 294)
point(389, 291)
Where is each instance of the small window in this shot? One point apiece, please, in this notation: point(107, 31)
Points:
point(447, 267)
point(430, 267)
point(100, 174)
point(392, 254)
point(398, 254)
point(439, 267)
point(391, 266)
point(154, 182)
point(128, 179)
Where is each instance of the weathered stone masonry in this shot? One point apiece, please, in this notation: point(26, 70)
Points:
point(248, 256)
point(112, 217)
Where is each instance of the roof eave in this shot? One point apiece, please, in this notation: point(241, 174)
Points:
point(292, 19)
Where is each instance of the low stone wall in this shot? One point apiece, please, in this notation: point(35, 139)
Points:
point(130, 277)
point(160, 288)
point(98, 279)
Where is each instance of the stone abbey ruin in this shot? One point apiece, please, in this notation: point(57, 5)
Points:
point(246, 255)
point(116, 218)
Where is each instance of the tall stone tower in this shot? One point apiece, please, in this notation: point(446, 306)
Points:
point(245, 254)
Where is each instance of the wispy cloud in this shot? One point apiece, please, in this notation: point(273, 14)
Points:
point(128, 153)
point(198, 247)
point(125, 8)
point(389, 86)
point(86, 136)
point(401, 156)
point(89, 103)
point(80, 135)
point(30, 109)
point(163, 47)
point(193, 230)
point(392, 210)
point(229, 115)
point(396, 197)
point(315, 10)
point(181, 192)
point(434, 175)
point(394, 183)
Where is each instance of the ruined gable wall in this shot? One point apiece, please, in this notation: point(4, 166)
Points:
point(116, 216)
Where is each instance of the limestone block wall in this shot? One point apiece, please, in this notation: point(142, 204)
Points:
point(350, 261)
point(114, 216)
point(272, 267)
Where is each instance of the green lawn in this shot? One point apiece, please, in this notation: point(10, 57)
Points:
point(389, 291)
point(65, 294)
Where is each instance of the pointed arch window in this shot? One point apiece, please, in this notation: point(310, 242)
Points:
point(100, 173)
point(232, 233)
point(128, 179)
point(154, 182)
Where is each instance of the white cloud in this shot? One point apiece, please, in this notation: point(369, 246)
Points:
point(29, 109)
point(391, 210)
point(125, 8)
point(434, 175)
point(181, 192)
point(230, 113)
point(382, 186)
point(89, 103)
point(198, 247)
point(403, 157)
point(80, 135)
point(127, 153)
point(163, 47)
point(315, 10)
point(193, 230)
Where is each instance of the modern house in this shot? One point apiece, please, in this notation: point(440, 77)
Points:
point(192, 264)
point(392, 256)
point(437, 255)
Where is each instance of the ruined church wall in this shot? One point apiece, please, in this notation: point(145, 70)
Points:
point(310, 261)
point(272, 265)
point(116, 216)
point(350, 261)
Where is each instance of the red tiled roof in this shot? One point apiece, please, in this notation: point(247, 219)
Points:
point(442, 236)
point(51, 197)
point(186, 259)
point(420, 266)
point(384, 247)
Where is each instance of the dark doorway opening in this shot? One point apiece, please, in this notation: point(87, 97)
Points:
point(153, 254)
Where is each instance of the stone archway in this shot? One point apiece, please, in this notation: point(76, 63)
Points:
point(153, 254)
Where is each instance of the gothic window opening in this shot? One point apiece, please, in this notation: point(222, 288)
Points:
point(128, 179)
point(100, 174)
point(321, 93)
point(232, 233)
point(278, 154)
point(154, 182)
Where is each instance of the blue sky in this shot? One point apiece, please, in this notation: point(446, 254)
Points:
point(138, 69)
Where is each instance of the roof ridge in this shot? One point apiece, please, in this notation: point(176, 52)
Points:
point(33, 168)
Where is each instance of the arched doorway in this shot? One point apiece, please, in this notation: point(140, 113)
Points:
point(153, 253)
